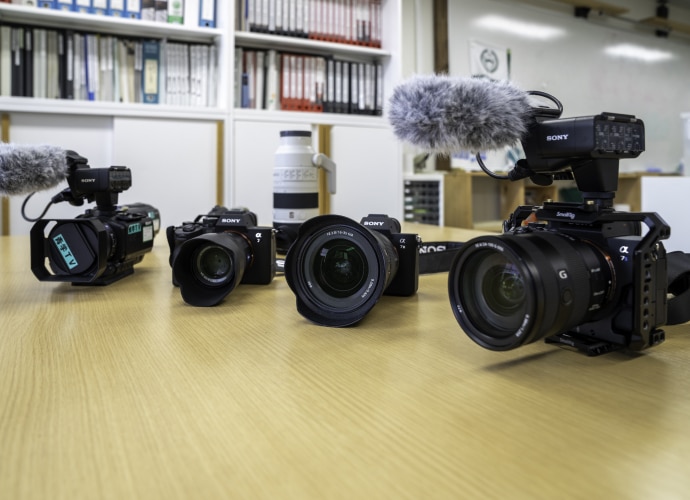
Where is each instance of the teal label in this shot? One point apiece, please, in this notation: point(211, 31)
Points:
point(65, 250)
point(134, 228)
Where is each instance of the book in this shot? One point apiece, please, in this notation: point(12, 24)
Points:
point(100, 7)
point(67, 5)
point(28, 67)
point(40, 62)
point(83, 6)
point(272, 80)
point(17, 87)
point(5, 60)
point(150, 71)
point(92, 65)
point(176, 11)
point(117, 8)
point(161, 11)
point(207, 13)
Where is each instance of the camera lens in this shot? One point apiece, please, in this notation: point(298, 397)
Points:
point(208, 267)
point(213, 265)
point(514, 289)
point(295, 186)
point(338, 269)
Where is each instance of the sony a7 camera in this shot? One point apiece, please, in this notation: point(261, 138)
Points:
point(103, 244)
point(579, 274)
point(338, 269)
point(219, 250)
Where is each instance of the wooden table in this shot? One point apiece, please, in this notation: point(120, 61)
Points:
point(125, 391)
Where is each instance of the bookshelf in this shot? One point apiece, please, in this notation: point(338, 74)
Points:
point(122, 28)
point(175, 151)
point(368, 176)
point(212, 154)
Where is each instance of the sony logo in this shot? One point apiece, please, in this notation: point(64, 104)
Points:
point(88, 180)
point(372, 223)
point(432, 248)
point(229, 221)
point(560, 137)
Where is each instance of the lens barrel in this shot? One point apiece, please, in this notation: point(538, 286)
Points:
point(338, 269)
point(295, 185)
point(208, 267)
point(514, 289)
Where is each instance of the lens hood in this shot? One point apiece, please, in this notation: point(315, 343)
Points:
point(208, 267)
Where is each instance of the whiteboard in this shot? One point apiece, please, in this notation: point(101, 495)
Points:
point(575, 69)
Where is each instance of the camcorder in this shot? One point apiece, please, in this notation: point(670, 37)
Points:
point(578, 274)
point(101, 245)
point(219, 250)
point(338, 268)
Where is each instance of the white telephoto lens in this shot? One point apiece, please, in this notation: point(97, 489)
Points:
point(295, 180)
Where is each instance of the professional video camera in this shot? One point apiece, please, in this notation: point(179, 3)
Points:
point(575, 273)
point(103, 244)
point(212, 255)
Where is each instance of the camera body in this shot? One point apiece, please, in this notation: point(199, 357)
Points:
point(406, 279)
point(568, 273)
point(630, 310)
point(251, 254)
point(338, 268)
point(579, 274)
point(97, 247)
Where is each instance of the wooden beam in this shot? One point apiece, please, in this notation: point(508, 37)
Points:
point(441, 57)
point(5, 203)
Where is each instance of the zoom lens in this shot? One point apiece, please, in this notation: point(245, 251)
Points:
point(514, 289)
point(207, 268)
point(338, 269)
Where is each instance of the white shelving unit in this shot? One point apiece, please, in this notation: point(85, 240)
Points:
point(205, 155)
point(48, 18)
point(368, 176)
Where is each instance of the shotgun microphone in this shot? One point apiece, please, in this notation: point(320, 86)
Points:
point(443, 114)
point(28, 168)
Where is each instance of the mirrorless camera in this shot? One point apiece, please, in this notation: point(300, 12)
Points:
point(103, 244)
point(212, 255)
point(574, 273)
point(338, 268)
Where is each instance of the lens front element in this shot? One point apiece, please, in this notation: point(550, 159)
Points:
point(340, 268)
point(498, 290)
point(212, 265)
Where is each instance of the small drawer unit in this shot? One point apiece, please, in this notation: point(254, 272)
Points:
point(423, 198)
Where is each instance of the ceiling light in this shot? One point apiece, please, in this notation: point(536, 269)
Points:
point(519, 28)
point(638, 52)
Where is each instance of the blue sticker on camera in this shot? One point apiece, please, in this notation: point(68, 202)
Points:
point(65, 250)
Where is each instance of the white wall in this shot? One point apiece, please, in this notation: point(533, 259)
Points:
point(574, 68)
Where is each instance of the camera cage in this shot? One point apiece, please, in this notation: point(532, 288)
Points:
point(596, 176)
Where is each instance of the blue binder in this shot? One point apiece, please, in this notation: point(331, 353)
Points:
point(207, 13)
